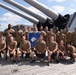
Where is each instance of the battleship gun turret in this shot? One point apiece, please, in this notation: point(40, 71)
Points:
point(59, 20)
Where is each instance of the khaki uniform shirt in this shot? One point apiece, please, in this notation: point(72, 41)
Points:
point(12, 45)
point(25, 45)
point(52, 45)
point(41, 46)
point(61, 48)
point(7, 33)
point(18, 36)
point(68, 36)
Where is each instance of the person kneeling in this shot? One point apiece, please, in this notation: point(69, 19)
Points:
point(52, 49)
point(71, 52)
point(62, 50)
point(40, 50)
point(25, 47)
point(2, 47)
point(12, 45)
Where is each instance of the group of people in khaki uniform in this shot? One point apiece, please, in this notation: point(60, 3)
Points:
point(58, 44)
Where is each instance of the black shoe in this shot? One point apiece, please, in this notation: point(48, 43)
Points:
point(19, 60)
point(72, 60)
point(48, 64)
point(5, 58)
point(14, 61)
point(0, 55)
point(21, 55)
point(57, 61)
point(32, 61)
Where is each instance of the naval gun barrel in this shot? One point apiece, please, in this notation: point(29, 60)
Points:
point(42, 19)
point(59, 20)
point(25, 9)
point(31, 19)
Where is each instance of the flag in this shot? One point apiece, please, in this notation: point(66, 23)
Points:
point(33, 38)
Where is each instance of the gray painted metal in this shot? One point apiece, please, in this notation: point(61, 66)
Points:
point(31, 19)
point(49, 12)
point(25, 9)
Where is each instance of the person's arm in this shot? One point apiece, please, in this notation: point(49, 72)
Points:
point(55, 37)
point(48, 49)
point(13, 32)
point(37, 49)
point(15, 47)
point(9, 48)
point(44, 48)
point(22, 49)
point(56, 48)
point(28, 50)
point(3, 47)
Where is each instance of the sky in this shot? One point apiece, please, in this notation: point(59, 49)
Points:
point(60, 6)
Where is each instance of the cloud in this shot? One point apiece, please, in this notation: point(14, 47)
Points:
point(8, 17)
point(72, 10)
point(74, 1)
point(57, 0)
point(58, 8)
point(3, 26)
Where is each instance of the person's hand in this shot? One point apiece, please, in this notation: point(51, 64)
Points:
point(24, 52)
point(28, 51)
point(38, 52)
point(54, 51)
point(12, 51)
point(50, 52)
